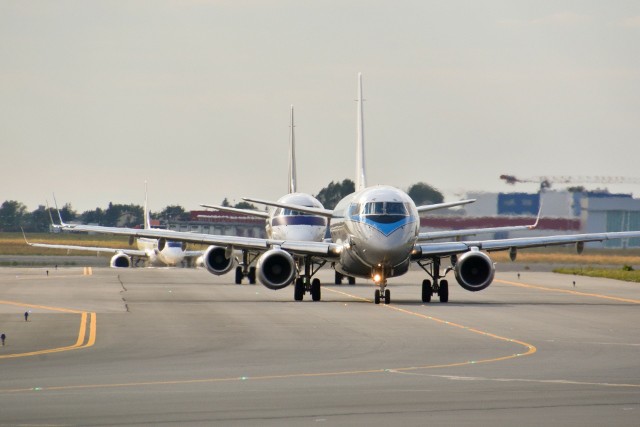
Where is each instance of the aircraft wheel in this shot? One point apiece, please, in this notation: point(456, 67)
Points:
point(444, 291)
point(298, 292)
point(339, 277)
point(426, 290)
point(352, 280)
point(315, 289)
point(387, 296)
point(376, 296)
point(239, 275)
point(252, 275)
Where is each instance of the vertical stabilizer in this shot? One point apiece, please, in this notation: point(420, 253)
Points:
point(361, 180)
point(147, 218)
point(292, 157)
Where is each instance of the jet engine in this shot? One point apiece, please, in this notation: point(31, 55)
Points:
point(216, 261)
point(120, 260)
point(276, 269)
point(474, 270)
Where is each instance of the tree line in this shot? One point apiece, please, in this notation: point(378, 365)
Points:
point(14, 215)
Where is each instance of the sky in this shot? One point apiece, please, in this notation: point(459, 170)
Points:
point(193, 96)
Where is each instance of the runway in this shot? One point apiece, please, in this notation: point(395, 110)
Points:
point(184, 347)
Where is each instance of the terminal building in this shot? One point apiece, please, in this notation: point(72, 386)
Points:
point(562, 212)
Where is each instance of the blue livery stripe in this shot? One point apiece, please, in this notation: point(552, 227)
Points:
point(384, 228)
point(299, 220)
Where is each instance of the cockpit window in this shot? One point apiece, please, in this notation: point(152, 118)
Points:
point(395, 208)
point(384, 212)
point(291, 212)
point(373, 208)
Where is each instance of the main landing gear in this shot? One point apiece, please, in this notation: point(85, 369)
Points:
point(305, 283)
point(340, 276)
point(243, 270)
point(439, 287)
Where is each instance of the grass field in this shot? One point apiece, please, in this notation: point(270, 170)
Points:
point(609, 273)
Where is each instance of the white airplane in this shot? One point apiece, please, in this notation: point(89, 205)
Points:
point(374, 235)
point(280, 224)
point(157, 252)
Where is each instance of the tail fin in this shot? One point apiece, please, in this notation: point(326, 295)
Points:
point(147, 218)
point(292, 157)
point(361, 179)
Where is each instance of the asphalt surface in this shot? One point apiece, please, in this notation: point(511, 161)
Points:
point(183, 347)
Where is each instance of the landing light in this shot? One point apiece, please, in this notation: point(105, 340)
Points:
point(376, 278)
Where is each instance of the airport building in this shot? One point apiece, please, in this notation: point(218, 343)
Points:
point(563, 212)
point(221, 223)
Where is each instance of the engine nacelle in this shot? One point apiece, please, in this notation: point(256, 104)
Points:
point(474, 270)
point(120, 260)
point(276, 269)
point(216, 261)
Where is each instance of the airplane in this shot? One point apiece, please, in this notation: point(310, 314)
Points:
point(289, 224)
point(374, 235)
point(157, 252)
point(280, 224)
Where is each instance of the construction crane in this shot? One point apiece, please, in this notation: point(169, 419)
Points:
point(546, 181)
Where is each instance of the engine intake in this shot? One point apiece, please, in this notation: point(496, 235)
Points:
point(474, 270)
point(216, 261)
point(276, 269)
point(120, 260)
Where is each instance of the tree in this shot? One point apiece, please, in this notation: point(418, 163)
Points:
point(245, 205)
point(330, 195)
point(174, 213)
point(11, 215)
point(37, 221)
point(424, 194)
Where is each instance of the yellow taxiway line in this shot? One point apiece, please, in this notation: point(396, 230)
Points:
point(566, 291)
point(82, 332)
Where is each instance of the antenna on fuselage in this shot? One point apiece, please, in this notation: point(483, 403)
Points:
point(292, 157)
point(361, 179)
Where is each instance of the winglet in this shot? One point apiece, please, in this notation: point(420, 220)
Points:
point(147, 218)
point(531, 227)
point(55, 203)
point(361, 180)
point(25, 236)
point(292, 157)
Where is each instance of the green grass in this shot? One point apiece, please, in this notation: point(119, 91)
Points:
point(607, 273)
point(14, 244)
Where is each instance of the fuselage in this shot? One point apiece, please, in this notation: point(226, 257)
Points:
point(171, 254)
point(378, 228)
point(289, 224)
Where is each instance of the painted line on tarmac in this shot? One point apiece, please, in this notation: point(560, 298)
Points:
point(524, 380)
point(566, 291)
point(530, 349)
point(82, 331)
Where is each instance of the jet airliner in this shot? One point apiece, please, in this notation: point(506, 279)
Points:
point(374, 235)
point(156, 252)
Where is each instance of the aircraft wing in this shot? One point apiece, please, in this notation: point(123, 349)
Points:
point(251, 212)
point(130, 252)
point(426, 250)
point(306, 209)
point(427, 208)
point(327, 250)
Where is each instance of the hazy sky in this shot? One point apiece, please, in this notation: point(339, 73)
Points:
point(193, 96)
